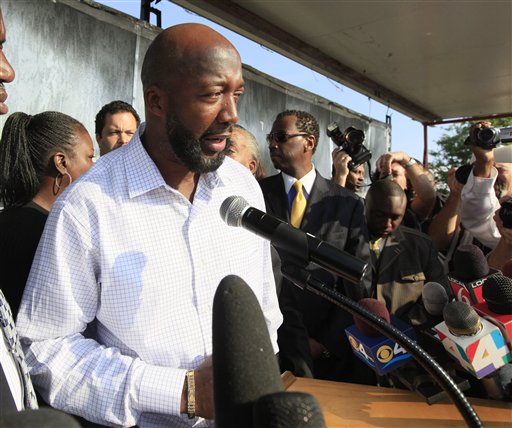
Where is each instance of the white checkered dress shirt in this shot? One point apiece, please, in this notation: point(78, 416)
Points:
point(122, 247)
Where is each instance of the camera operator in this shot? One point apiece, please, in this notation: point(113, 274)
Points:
point(487, 183)
point(342, 175)
point(410, 175)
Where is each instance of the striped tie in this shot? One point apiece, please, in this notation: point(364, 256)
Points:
point(298, 205)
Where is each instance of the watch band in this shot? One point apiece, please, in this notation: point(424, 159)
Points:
point(191, 394)
point(410, 163)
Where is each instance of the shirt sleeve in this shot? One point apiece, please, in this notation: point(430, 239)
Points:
point(72, 372)
point(478, 205)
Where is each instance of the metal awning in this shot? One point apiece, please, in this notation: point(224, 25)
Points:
point(430, 60)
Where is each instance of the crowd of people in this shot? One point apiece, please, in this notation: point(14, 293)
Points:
point(110, 269)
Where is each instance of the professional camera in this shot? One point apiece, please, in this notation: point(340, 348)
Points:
point(489, 138)
point(350, 141)
point(505, 213)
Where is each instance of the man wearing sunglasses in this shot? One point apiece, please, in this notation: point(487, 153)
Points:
point(305, 199)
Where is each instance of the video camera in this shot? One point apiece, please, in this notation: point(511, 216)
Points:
point(350, 141)
point(489, 138)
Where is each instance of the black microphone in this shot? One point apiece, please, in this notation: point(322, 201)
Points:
point(244, 364)
point(434, 298)
point(288, 410)
point(470, 271)
point(235, 211)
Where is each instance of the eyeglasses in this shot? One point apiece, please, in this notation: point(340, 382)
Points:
point(282, 136)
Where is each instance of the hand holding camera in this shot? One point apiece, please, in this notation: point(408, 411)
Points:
point(351, 142)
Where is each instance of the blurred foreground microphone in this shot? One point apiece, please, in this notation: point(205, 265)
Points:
point(288, 410)
point(244, 365)
point(474, 342)
point(235, 211)
point(379, 352)
point(434, 298)
point(470, 271)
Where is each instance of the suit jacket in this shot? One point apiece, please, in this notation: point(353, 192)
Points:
point(334, 215)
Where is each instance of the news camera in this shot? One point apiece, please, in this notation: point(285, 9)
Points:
point(350, 141)
point(489, 138)
point(505, 213)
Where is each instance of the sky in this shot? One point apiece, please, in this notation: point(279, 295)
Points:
point(406, 134)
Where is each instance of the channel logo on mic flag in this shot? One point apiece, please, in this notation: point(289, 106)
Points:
point(383, 355)
point(480, 354)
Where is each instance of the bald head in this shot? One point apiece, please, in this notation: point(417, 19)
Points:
point(183, 49)
point(385, 207)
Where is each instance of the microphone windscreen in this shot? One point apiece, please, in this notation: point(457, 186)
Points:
point(244, 364)
point(232, 209)
point(497, 292)
point(461, 319)
point(288, 410)
point(506, 269)
point(377, 308)
point(469, 263)
point(434, 298)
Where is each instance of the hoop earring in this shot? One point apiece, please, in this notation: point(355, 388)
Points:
point(57, 184)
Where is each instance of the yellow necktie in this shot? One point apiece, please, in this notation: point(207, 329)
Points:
point(298, 205)
point(374, 245)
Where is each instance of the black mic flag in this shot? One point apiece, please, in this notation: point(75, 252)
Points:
point(244, 364)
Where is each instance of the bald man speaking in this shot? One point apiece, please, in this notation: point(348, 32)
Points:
point(137, 249)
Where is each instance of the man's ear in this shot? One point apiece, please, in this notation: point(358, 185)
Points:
point(156, 101)
point(59, 160)
point(252, 166)
point(310, 143)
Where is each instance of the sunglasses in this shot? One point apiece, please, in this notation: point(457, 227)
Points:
point(282, 136)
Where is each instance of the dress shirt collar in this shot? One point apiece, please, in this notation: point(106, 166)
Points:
point(138, 164)
point(307, 181)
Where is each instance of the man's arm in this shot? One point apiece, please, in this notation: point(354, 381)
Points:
point(74, 373)
point(478, 198)
point(444, 225)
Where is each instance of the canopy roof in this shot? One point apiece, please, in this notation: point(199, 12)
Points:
point(431, 60)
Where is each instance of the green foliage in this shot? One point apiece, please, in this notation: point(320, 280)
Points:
point(452, 152)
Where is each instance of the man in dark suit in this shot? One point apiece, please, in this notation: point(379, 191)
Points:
point(302, 197)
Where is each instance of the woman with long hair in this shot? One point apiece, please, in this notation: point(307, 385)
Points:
point(40, 156)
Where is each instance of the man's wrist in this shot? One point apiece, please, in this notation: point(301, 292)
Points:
point(409, 163)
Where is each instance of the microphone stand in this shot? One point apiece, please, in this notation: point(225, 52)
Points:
point(305, 281)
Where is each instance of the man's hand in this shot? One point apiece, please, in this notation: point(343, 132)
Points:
point(454, 186)
point(384, 162)
point(482, 156)
point(340, 160)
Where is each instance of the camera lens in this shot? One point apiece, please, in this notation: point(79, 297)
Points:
point(505, 213)
point(486, 134)
point(355, 137)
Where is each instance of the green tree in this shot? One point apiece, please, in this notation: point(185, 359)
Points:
point(453, 152)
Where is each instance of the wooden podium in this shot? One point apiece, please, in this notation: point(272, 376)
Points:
point(351, 405)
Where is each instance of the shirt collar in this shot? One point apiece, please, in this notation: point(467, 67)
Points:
point(307, 181)
point(142, 174)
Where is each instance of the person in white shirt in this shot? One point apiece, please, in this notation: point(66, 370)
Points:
point(137, 248)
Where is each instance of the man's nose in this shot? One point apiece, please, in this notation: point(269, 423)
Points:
point(6, 71)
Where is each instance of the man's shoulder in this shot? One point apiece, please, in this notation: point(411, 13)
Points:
point(271, 182)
